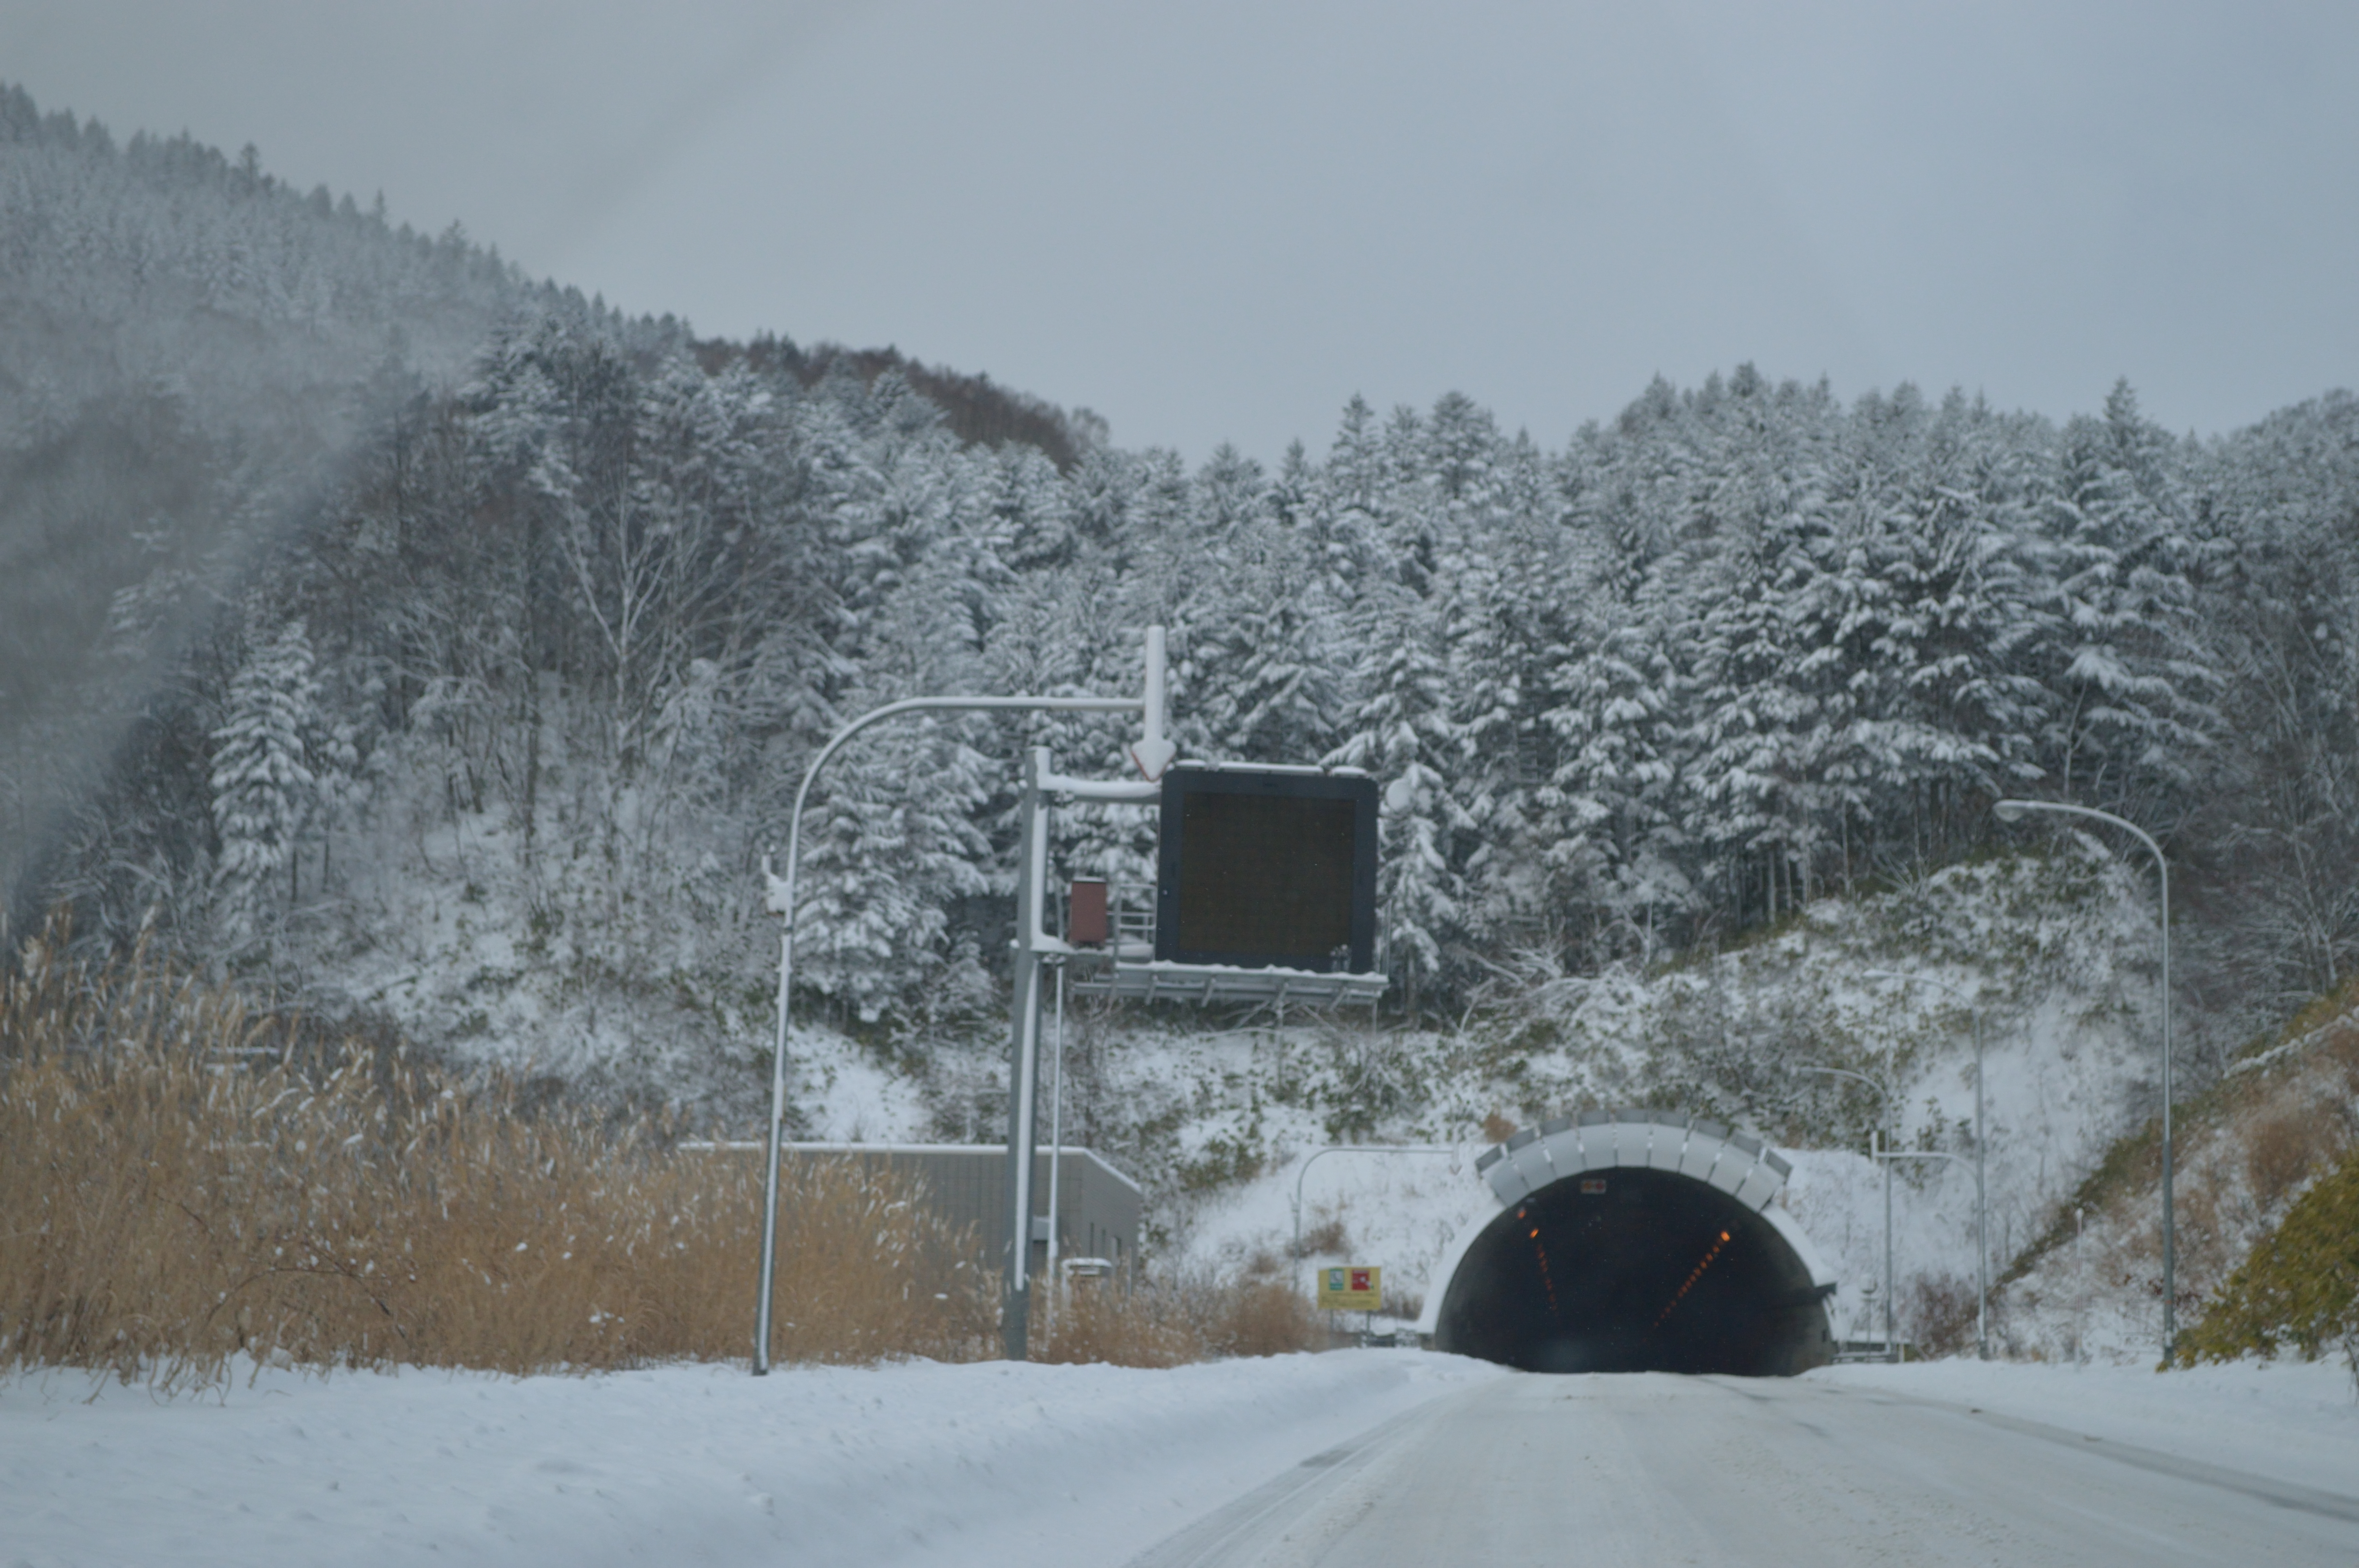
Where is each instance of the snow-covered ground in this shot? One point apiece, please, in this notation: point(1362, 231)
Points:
point(2295, 1421)
point(983, 1464)
point(916, 1463)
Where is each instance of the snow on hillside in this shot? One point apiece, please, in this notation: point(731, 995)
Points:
point(1218, 1121)
point(2054, 951)
point(2245, 1149)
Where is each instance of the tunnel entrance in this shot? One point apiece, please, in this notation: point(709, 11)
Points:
point(1625, 1269)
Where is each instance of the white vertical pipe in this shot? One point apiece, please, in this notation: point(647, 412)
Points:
point(1154, 752)
point(1982, 1203)
point(1056, 1146)
point(1155, 686)
point(1891, 1346)
point(1024, 1062)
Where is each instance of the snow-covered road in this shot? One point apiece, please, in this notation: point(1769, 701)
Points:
point(975, 1464)
point(1823, 1469)
point(1439, 1458)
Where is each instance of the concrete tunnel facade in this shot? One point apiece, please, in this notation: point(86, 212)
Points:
point(1631, 1240)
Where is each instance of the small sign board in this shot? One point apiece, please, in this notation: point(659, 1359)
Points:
point(1351, 1287)
point(1591, 1186)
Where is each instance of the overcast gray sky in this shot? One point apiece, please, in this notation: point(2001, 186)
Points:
point(1212, 220)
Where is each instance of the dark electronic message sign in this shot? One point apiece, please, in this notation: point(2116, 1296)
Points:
point(1268, 869)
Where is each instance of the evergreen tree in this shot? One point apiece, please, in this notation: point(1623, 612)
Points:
point(262, 784)
point(1402, 733)
point(2131, 678)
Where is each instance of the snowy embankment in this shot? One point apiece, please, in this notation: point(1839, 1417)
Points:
point(1885, 987)
point(921, 1463)
point(2293, 1419)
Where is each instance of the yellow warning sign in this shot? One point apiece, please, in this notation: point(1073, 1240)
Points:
point(1352, 1288)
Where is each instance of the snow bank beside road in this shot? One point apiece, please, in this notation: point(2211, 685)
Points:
point(2296, 1420)
point(982, 1464)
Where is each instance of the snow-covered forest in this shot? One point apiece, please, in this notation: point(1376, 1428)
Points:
point(366, 602)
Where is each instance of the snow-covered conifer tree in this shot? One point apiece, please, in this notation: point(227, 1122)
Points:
point(2132, 678)
point(1402, 733)
point(262, 782)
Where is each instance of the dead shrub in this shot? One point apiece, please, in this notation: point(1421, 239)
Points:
point(1099, 1320)
point(174, 1199)
point(1328, 1239)
point(2283, 1148)
point(1262, 1317)
point(1166, 1323)
point(1937, 1313)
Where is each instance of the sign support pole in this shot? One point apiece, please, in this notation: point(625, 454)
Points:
point(1056, 1146)
point(781, 903)
point(1024, 1063)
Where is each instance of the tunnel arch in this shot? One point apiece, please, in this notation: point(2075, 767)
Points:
point(1634, 1240)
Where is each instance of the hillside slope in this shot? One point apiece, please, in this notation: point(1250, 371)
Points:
point(1220, 1114)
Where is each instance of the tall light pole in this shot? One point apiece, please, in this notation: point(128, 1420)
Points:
point(2013, 811)
point(1152, 754)
point(1982, 1143)
point(1884, 1095)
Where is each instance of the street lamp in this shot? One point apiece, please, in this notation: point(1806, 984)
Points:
point(2013, 811)
point(1883, 1095)
point(1152, 754)
point(1982, 1143)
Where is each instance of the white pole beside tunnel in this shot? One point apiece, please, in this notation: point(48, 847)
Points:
point(1024, 1062)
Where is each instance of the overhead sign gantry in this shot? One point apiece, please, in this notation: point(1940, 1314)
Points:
point(1265, 892)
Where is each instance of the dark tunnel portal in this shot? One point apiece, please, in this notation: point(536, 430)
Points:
point(1635, 1270)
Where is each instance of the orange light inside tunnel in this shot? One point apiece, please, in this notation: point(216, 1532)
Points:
point(1689, 1284)
point(1548, 1279)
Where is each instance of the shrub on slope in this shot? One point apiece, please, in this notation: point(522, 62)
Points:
point(2298, 1289)
point(2246, 1145)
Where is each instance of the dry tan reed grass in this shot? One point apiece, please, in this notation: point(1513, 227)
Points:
point(173, 1195)
point(1166, 1323)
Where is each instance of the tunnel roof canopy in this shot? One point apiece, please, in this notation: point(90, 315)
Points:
point(1638, 1136)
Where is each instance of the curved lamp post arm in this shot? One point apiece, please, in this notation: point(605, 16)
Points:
point(781, 901)
point(2013, 811)
point(1882, 1093)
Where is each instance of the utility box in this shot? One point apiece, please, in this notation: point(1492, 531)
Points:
point(1268, 867)
point(1085, 914)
